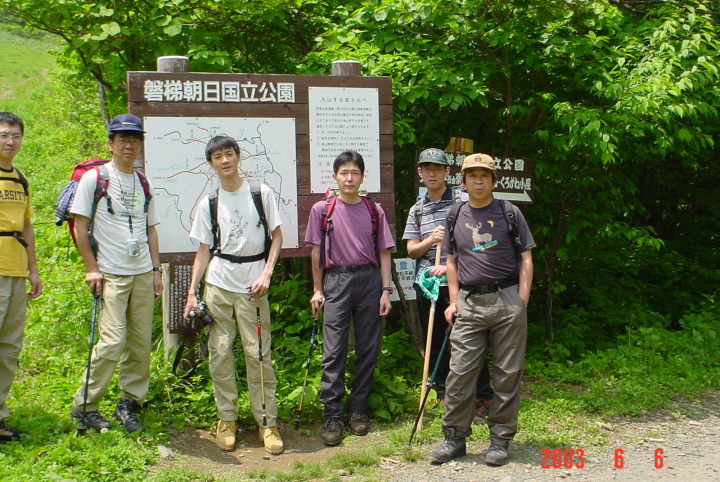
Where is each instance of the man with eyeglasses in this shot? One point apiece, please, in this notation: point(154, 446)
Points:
point(18, 264)
point(124, 271)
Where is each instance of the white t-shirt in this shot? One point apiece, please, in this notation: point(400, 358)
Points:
point(241, 234)
point(112, 231)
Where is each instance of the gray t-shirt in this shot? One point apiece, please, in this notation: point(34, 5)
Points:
point(483, 247)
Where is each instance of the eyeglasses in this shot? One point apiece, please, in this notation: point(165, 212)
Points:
point(4, 136)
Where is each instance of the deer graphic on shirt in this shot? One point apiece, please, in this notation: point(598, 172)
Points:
point(478, 239)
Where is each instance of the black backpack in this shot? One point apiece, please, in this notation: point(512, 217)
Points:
point(513, 230)
point(215, 226)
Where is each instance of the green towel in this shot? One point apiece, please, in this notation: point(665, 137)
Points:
point(430, 285)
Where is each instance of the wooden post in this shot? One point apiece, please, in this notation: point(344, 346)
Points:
point(171, 341)
point(346, 68)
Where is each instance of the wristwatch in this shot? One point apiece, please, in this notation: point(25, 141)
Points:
point(389, 289)
point(157, 268)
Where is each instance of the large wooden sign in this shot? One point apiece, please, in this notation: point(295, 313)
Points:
point(289, 128)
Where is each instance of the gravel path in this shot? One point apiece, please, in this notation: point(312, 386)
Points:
point(687, 447)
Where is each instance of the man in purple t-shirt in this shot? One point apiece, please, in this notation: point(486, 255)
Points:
point(489, 278)
point(348, 289)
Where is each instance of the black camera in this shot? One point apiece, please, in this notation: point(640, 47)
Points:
point(202, 319)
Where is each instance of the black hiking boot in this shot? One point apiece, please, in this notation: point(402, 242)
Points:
point(497, 455)
point(452, 447)
point(91, 419)
point(126, 411)
point(8, 434)
point(359, 423)
point(332, 432)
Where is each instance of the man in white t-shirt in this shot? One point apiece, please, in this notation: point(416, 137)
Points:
point(239, 265)
point(125, 272)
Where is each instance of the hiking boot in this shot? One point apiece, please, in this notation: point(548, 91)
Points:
point(332, 432)
point(453, 446)
point(496, 455)
point(225, 435)
point(91, 419)
point(359, 423)
point(8, 434)
point(271, 438)
point(482, 408)
point(126, 411)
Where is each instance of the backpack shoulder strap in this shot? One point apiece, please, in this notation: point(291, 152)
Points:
point(418, 212)
point(512, 225)
point(214, 225)
point(20, 179)
point(326, 226)
point(375, 220)
point(146, 189)
point(256, 192)
point(452, 220)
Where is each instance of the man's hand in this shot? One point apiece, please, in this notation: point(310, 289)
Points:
point(317, 302)
point(190, 305)
point(260, 286)
point(157, 284)
point(451, 314)
point(36, 286)
point(438, 270)
point(437, 234)
point(94, 279)
point(385, 304)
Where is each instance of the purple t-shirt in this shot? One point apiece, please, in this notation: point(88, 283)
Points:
point(350, 243)
point(483, 247)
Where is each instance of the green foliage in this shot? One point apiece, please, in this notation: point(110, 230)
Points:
point(642, 370)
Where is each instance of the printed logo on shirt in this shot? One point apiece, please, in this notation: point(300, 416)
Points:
point(481, 241)
point(238, 226)
point(12, 195)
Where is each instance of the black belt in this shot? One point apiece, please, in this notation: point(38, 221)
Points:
point(348, 269)
point(482, 289)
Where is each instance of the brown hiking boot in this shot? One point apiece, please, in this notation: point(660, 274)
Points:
point(332, 432)
point(225, 435)
point(271, 438)
point(359, 424)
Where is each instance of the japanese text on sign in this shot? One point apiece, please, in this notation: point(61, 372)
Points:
point(218, 91)
point(343, 119)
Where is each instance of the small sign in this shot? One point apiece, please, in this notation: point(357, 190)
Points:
point(405, 268)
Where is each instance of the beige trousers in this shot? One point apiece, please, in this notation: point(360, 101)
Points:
point(237, 313)
point(13, 303)
point(125, 328)
point(499, 321)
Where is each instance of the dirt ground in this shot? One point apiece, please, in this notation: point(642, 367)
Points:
point(688, 442)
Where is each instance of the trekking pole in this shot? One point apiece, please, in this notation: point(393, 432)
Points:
point(430, 383)
point(82, 428)
point(428, 344)
point(313, 342)
point(260, 358)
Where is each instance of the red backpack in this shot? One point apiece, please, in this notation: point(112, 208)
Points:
point(65, 199)
point(326, 225)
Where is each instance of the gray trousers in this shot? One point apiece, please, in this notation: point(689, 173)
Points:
point(351, 295)
point(500, 320)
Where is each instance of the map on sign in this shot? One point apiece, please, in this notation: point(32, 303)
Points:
point(181, 176)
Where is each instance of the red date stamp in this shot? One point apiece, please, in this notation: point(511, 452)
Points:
point(562, 459)
point(569, 458)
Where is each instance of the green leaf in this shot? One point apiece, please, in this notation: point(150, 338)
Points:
point(111, 29)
